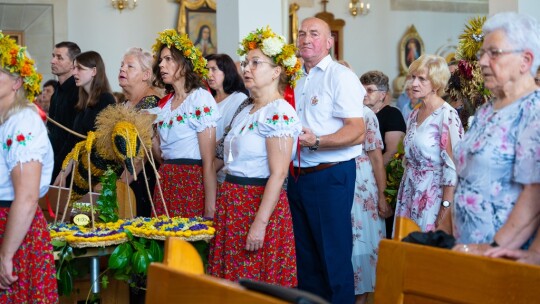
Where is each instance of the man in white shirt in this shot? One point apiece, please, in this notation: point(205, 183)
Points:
point(321, 187)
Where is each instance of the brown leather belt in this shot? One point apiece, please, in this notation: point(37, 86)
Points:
point(319, 167)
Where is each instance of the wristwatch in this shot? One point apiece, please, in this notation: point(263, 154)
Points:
point(446, 204)
point(316, 145)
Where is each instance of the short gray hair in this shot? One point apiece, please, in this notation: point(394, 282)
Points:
point(523, 31)
point(145, 58)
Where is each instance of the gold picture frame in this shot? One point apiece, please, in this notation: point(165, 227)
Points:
point(197, 18)
point(293, 22)
point(410, 48)
point(18, 36)
point(336, 30)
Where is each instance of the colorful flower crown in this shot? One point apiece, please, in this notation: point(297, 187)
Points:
point(14, 59)
point(275, 47)
point(181, 42)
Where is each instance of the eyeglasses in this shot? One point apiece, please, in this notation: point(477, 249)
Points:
point(494, 53)
point(253, 64)
point(369, 91)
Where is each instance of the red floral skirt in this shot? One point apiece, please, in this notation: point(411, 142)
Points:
point(33, 263)
point(183, 190)
point(275, 262)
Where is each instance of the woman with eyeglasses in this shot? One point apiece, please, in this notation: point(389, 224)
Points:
point(427, 188)
point(186, 124)
point(390, 120)
point(497, 195)
point(254, 235)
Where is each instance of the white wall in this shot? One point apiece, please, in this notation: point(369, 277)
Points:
point(371, 42)
point(95, 25)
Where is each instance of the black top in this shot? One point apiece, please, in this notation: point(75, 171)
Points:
point(85, 121)
point(390, 119)
point(62, 110)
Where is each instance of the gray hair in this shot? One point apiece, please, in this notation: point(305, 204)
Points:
point(145, 58)
point(522, 31)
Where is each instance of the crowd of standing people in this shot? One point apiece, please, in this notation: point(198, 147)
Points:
point(295, 183)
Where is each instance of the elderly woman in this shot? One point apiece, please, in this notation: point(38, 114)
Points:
point(186, 123)
point(496, 198)
point(427, 187)
point(27, 272)
point(254, 235)
point(135, 77)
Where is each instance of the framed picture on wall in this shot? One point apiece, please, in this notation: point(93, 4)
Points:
point(410, 48)
point(197, 18)
point(17, 35)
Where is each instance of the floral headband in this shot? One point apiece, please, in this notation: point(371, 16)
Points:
point(181, 42)
point(275, 47)
point(15, 60)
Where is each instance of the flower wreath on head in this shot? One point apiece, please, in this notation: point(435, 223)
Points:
point(275, 47)
point(14, 59)
point(181, 42)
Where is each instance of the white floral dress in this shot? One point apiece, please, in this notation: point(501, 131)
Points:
point(499, 154)
point(428, 165)
point(367, 227)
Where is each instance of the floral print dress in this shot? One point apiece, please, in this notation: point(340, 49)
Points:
point(498, 155)
point(367, 227)
point(237, 205)
point(428, 165)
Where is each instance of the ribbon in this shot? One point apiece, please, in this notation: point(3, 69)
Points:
point(288, 95)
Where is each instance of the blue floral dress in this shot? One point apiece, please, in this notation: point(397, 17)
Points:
point(498, 155)
point(367, 227)
point(428, 165)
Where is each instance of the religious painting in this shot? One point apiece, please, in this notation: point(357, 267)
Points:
point(197, 18)
point(411, 48)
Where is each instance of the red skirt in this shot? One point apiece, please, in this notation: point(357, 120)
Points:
point(275, 262)
point(33, 263)
point(183, 190)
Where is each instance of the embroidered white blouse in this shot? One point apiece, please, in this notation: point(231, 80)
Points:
point(178, 128)
point(24, 138)
point(245, 146)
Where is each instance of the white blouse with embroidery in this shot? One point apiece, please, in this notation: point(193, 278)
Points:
point(24, 138)
point(178, 128)
point(245, 146)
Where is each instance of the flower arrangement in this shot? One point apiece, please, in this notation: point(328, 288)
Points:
point(466, 82)
point(394, 173)
point(13, 58)
point(275, 47)
point(181, 42)
point(189, 229)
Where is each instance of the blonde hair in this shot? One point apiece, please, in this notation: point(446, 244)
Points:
point(21, 101)
point(436, 69)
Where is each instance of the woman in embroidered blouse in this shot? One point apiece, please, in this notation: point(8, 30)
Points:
point(27, 272)
point(432, 130)
point(228, 90)
point(254, 237)
point(186, 123)
point(135, 78)
point(497, 195)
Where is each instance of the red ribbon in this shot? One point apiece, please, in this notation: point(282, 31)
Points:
point(41, 113)
point(51, 213)
point(161, 103)
point(289, 97)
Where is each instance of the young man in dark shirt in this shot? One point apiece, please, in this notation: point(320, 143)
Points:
point(64, 99)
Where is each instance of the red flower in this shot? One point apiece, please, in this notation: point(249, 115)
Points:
point(9, 142)
point(160, 123)
point(170, 122)
point(198, 113)
point(206, 110)
point(179, 118)
point(285, 117)
point(275, 117)
point(20, 137)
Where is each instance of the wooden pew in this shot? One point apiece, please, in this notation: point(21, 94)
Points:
point(409, 273)
point(403, 227)
point(181, 279)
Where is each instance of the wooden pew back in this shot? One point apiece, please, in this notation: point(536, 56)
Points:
point(409, 273)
